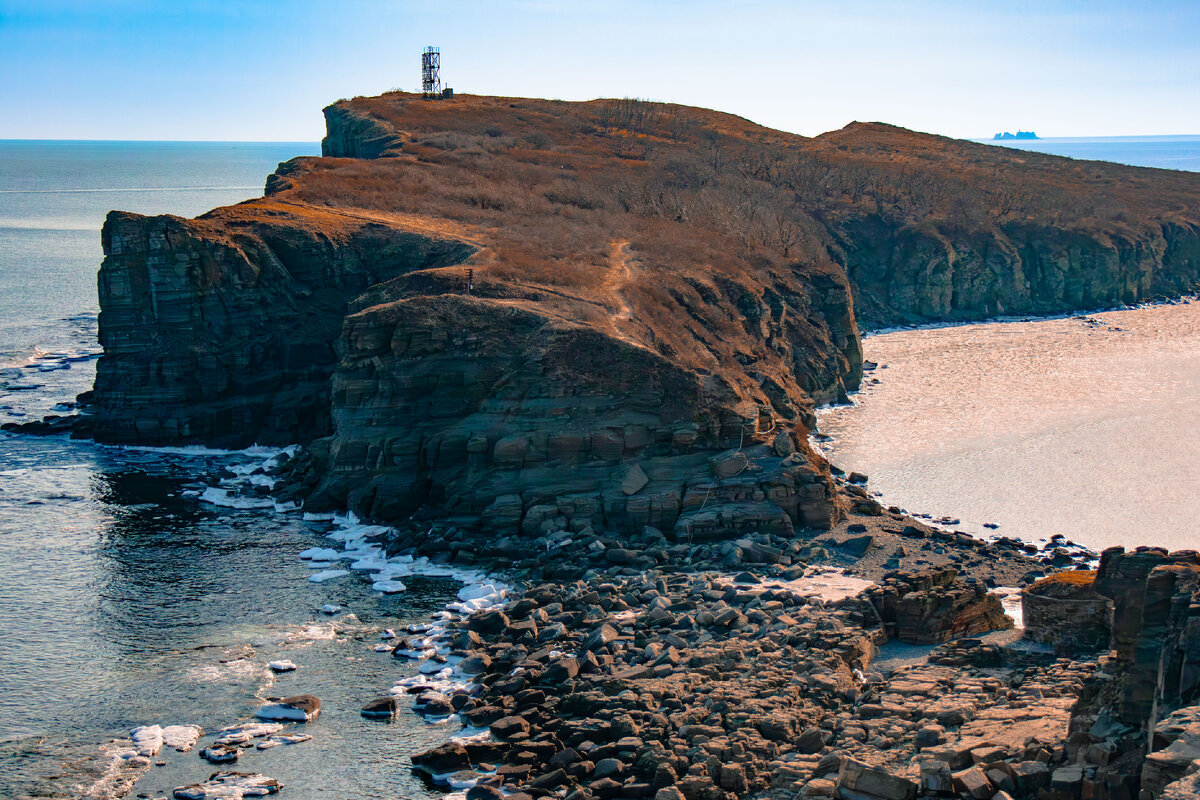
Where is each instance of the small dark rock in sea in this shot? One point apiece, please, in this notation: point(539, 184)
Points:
point(220, 754)
point(381, 707)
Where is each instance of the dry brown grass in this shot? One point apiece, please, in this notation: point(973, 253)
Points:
point(722, 217)
point(1064, 584)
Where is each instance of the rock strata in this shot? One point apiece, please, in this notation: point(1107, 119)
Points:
point(1065, 611)
point(220, 330)
point(935, 605)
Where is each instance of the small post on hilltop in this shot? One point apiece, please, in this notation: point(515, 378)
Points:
point(470, 279)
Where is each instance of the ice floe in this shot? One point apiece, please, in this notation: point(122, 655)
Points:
point(243, 732)
point(281, 666)
point(226, 498)
point(328, 574)
point(147, 740)
point(229, 786)
point(181, 737)
point(320, 554)
point(282, 738)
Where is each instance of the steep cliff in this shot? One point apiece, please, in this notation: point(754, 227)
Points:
point(221, 330)
point(544, 315)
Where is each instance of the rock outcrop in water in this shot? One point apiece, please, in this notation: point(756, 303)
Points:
point(526, 313)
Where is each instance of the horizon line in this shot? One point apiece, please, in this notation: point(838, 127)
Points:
point(985, 138)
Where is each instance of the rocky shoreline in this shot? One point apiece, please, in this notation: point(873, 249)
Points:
point(613, 666)
point(702, 685)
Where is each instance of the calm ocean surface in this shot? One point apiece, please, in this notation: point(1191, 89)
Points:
point(1164, 152)
point(126, 604)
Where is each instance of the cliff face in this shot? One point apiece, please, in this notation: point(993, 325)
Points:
point(938, 229)
point(542, 316)
point(500, 416)
point(904, 276)
point(220, 330)
point(351, 134)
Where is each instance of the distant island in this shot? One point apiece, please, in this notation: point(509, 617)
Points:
point(1017, 135)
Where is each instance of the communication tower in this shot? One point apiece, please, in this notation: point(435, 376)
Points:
point(431, 79)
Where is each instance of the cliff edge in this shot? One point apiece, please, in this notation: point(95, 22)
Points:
point(537, 315)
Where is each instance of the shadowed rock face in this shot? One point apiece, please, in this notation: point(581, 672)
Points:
point(658, 298)
point(221, 331)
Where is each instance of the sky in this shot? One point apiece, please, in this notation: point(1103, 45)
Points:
point(261, 71)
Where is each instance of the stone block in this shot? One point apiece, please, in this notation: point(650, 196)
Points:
point(874, 782)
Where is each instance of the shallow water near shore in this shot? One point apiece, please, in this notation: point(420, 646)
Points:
point(126, 604)
point(1085, 426)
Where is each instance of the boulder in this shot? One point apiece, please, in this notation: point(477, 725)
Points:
point(300, 708)
point(936, 777)
point(447, 757)
point(381, 707)
point(874, 782)
point(229, 785)
point(634, 480)
point(509, 727)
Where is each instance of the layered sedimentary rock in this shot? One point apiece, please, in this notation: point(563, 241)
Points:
point(934, 606)
point(1155, 629)
point(501, 417)
point(221, 330)
point(522, 313)
point(958, 233)
point(1066, 612)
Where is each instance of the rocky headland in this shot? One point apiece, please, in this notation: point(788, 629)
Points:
point(581, 344)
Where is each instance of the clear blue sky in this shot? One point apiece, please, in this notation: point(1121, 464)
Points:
point(251, 70)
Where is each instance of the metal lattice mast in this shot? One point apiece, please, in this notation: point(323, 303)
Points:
point(431, 65)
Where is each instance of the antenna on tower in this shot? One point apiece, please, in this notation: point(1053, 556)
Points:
point(431, 79)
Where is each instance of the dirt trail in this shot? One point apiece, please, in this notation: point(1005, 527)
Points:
point(620, 276)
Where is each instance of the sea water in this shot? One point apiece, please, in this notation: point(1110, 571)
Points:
point(1087, 426)
point(123, 601)
point(1163, 152)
